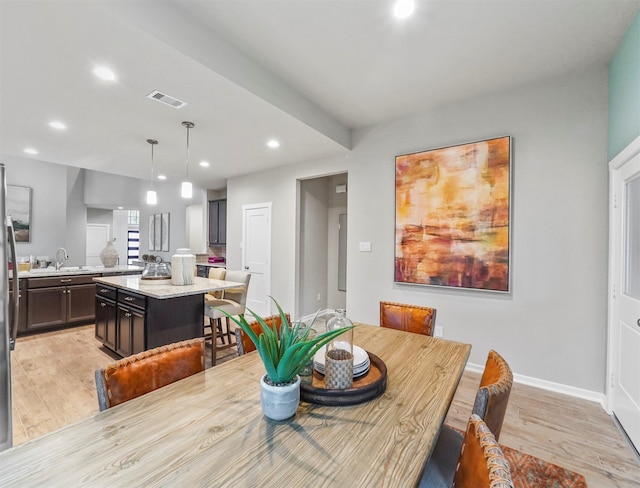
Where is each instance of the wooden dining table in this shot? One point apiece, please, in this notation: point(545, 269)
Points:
point(208, 430)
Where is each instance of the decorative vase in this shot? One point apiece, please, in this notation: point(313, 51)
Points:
point(109, 255)
point(183, 265)
point(279, 402)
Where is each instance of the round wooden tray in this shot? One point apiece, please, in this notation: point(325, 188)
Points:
point(367, 387)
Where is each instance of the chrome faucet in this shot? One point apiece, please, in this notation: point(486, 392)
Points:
point(61, 258)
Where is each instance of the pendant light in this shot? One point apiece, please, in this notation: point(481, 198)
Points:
point(187, 187)
point(152, 197)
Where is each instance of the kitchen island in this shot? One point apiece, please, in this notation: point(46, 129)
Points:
point(132, 316)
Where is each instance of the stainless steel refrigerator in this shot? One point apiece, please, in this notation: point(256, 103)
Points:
point(7, 330)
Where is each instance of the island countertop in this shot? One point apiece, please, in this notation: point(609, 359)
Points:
point(200, 286)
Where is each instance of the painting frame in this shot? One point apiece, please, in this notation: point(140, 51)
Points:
point(152, 232)
point(453, 216)
point(157, 239)
point(165, 232)
point(18, 203)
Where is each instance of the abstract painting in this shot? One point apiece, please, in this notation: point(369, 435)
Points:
point(453, 212)
point(19, 207)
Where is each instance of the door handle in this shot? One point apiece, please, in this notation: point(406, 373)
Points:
point(247, 268)
point(128, 299)
point(65, 281)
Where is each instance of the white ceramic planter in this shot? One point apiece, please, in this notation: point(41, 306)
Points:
point(279, 402)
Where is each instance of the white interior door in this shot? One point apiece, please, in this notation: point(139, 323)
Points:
point(624, 320)
point(256, 255)
point(97, 237)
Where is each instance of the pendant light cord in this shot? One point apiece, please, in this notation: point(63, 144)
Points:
point(152, 142)
point(188, 125)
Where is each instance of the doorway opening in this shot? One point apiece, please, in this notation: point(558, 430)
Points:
point(322, 244)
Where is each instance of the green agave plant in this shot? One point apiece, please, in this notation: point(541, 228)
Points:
point(284, 355)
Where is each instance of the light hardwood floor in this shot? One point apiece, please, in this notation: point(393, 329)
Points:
point(53, 386)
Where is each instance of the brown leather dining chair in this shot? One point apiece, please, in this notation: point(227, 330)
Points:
point(490, 405)
point(410, 318)
point(142, 373)
point(481, 462)
point(245, 344)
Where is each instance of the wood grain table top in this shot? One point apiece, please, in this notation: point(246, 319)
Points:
point(208, 430)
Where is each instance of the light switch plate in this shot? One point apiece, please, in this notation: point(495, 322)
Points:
point(439, 331)
point(365, 247)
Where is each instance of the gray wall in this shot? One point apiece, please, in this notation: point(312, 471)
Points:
point(48, 203)
point(552, 326)
point(313, 245)
point(62, 196)
point(337, 206)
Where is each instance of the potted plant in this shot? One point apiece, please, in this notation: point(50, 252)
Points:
point(284, 353)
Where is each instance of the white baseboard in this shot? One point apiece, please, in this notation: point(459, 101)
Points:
point(589, 395)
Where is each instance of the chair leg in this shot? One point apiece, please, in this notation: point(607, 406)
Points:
point(220, 331)
point(214, 339)
point(228, 331)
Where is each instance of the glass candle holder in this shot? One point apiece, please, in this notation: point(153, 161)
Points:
point(338, 361)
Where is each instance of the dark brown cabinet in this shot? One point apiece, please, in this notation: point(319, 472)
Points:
point(120, 320)
point(217, 222)
point(106, 317)
point(130, 334)
point(128, 322)
point(56, 301)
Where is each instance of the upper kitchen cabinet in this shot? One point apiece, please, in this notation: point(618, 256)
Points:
point(217, 222)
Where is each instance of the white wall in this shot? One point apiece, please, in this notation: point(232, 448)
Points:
point(552, 325)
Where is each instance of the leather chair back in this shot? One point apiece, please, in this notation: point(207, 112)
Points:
point(245, 344)
point(481, 463)
point(492, 396)
point(410, 318)
point(142, 373)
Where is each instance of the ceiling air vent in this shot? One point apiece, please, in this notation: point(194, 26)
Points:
point(166, 99)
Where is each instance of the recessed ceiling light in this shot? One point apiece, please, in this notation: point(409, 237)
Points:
point(204, 164)
point(104, 73)
point(56, 124)
point(30, 150)
point(403, 8)
point(273, 143)
point(120, 208)
point(162, 177)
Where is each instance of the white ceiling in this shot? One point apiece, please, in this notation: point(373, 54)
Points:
point(306, 72)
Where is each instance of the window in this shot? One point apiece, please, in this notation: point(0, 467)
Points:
point(133, 236)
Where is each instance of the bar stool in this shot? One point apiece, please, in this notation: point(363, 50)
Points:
point(233, 303)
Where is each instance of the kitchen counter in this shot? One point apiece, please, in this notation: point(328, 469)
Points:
point(132, 316)
point(133, 283)
point(77, 270)
point(212, 265)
